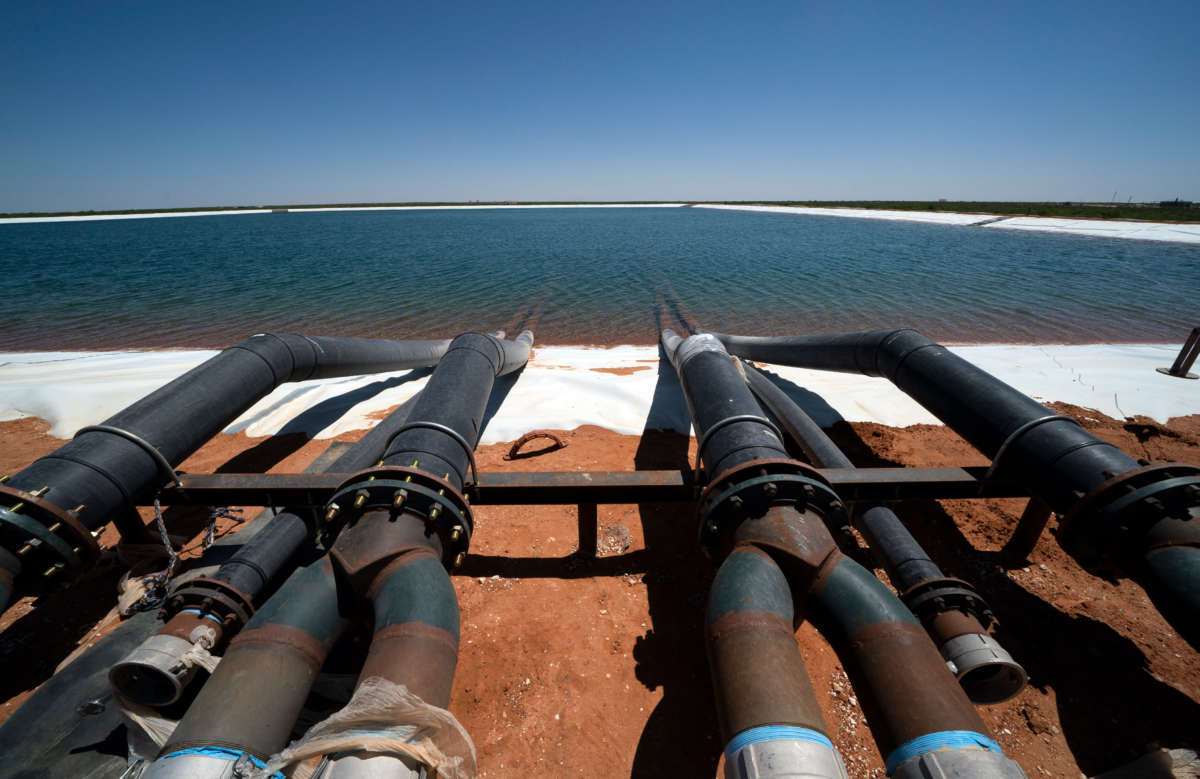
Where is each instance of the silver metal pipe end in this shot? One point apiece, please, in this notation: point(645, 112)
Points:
point(369, 765)
point(780, 752)
point(987, 673)
point(155, 673)
point(959, 764)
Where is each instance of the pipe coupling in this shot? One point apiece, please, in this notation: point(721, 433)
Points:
point(750, 490)
point(952, 753)
point(400, 490)
point(206, 763)
point(1110, 524)
point(157, 671)
point(45, 538)
point(782, 752)
point(987, 673)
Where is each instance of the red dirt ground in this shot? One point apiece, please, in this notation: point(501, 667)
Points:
point(596, 668)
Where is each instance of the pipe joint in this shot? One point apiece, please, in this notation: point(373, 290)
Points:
point(951, 753)
point(43, 537)
point(207, 763)
point(1122, 518)
point(394, 492)
point(214, 599)
point(782, 752)
point(752, 490)
point(931, 597)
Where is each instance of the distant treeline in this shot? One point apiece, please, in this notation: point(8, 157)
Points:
point(1166, 211)
point(339, 205)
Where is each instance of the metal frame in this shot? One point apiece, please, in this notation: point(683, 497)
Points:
point(584, 487)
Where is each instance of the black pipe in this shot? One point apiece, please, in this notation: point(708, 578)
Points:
point(777, 507)
point(728, 420)
point(107, 469)
point(953, 613)
point(456, 397)
point(1115, 510)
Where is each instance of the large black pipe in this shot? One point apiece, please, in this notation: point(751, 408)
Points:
point(922, 719)
point(953, 613)
point(1118, 514)
point(106, 470)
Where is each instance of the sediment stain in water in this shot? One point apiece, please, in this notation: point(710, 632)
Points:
point(580, 276)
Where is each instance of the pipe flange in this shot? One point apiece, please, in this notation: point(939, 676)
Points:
point(409, 490)
point(1110, 523)
point(46, 538)
point(212, 598)
point(750, 489)
point(931, 597)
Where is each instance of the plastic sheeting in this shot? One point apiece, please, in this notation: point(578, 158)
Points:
point(383, 718)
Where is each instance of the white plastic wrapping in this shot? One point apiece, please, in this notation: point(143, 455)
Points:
point(383, 718)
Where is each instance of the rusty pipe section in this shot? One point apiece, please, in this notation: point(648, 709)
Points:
point(50, 510)
point(407, 522)
point(766, 707)
point(1117, 516)
point(246, 710)
point(778, 509)
point(954, 614)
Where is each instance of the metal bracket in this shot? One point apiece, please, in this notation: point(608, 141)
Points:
point(466, 447)
point(163, 465)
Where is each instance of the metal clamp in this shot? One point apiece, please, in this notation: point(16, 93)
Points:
point(167, 469)
point(466, 447)
point(1016, 434)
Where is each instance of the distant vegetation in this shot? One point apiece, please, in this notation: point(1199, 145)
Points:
point(338, 205)
point(1166, 211)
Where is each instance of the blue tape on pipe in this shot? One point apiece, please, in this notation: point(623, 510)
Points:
point(223, 754)
point(933, 742)
point(774, 733)
point(197, 611)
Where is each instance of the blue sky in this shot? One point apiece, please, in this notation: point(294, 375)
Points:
point(141, 105)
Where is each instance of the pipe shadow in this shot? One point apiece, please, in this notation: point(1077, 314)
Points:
point(1111, 706)
point(671, 654)
point(500, 389)
point(810, 402)
point(301, 428)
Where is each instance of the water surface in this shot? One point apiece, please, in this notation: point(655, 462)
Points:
point(586, 276)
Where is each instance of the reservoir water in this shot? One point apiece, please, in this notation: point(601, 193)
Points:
point(584, 275)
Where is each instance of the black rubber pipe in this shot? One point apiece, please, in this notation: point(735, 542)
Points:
point(100, 475)
point(456, 398)
point(1063, 464)
point(729, 422)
